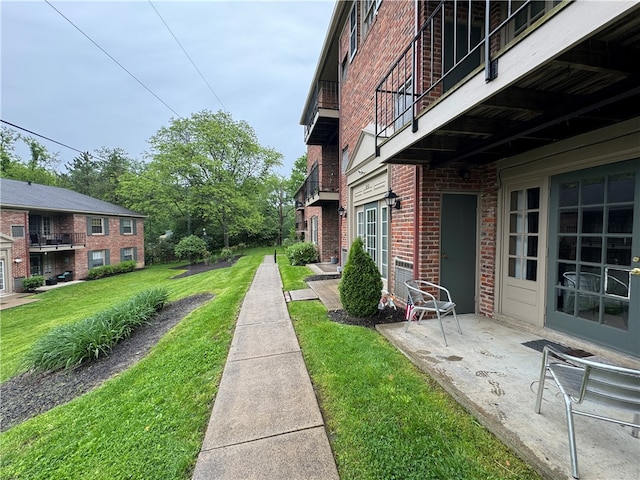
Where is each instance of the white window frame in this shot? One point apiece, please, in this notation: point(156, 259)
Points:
point(15, 231)
point(97, 222)
point(97, 255)
point(127, 254)
point(403, 104)
point(353, 31)
point(314, 230)
point(127, 230)
point(369, 12)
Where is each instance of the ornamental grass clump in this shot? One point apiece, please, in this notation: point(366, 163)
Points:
point(71, 344)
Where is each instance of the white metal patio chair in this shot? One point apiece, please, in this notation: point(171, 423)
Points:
point(423, 301)
point(581, 380)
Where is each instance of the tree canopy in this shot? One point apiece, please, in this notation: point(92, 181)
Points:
point(207, 169)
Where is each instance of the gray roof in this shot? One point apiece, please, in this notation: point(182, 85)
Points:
point(32, 196)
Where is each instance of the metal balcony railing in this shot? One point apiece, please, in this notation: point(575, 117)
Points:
point(444, 52)
point(57, 240)
point(322, 178)
point(325, 95)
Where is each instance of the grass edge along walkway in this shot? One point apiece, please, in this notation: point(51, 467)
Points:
point(149, 421)
point(385, 418)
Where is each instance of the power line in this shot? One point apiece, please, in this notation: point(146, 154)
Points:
point(114, 60)
point(51, 140)
point(187, 55)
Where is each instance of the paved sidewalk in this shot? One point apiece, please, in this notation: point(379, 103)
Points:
point(265, 423)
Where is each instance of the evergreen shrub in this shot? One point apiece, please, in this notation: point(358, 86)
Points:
point(361, 284)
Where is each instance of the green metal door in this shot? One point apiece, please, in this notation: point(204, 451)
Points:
point(594, 245)
point(458, 249)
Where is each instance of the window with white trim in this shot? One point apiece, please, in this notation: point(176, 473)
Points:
point(524, 218)
point(127, 254)
point(126, 226)
point(314, 230)
point(403, 104)
point(17, 231)
point(369, 12)
point(353, 31)
point(97, 226)
point(97, 259)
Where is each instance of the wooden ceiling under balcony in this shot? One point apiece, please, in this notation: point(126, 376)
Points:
point(594, 85)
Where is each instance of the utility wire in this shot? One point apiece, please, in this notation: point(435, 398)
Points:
point(117, 63)
point(187, 55)
point(51, 140)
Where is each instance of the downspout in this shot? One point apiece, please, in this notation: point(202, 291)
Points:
point(26, 244)
point(418, 169)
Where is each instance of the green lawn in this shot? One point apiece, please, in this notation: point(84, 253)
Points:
point(386, 419)
point(148, 422)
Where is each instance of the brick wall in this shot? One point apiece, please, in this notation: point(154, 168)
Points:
point(113, 242)
point(20, 247)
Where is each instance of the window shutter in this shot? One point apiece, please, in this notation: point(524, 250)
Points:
point(90, 259)
point(88, 226)
point(134, 226)
point(135, 253)
point(122, 226)
point(122, 254)
point(106, 257)
point(106, 225)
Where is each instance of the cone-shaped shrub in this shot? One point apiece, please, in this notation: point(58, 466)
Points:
point(361, 284)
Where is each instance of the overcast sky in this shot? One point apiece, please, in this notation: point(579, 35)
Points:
point(257, 57)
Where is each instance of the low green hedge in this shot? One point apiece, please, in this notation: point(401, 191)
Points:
point(108, 270)
point(302, 253)
point(31, 283)
point(73, 343)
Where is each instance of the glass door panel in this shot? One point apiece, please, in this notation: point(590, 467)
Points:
point(594, 230)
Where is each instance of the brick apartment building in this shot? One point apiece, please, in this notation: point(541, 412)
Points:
point(49, 231)
point(507, 134)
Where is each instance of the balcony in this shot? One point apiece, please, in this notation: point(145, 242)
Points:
point(56, 241)
point(505, 78)
point(322, 118)
point(321, 187)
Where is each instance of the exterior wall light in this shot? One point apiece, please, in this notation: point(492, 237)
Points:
point(342, 212)
point(392, 201)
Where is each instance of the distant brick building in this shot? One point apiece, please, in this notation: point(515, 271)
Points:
point(49, 231)
point(509, 133)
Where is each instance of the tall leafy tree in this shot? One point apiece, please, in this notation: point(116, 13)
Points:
point(99, 175)
point(209, 169)
point(40, 167)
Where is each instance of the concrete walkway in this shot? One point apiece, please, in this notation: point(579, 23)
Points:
point(265, 423)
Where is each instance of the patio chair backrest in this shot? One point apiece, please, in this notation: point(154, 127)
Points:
point(414, 292)
point(588, 380)
point(610, 385)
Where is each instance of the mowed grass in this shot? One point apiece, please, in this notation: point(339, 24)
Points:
point(149, 421)
point(386, 419)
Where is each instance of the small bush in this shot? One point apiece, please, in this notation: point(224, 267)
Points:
point(108, 270)
point(69, 345)
point(361, 284)
point(226, 254)
point(31, 283)
point(192, 248)
point(302, 253)
point(125, 267)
